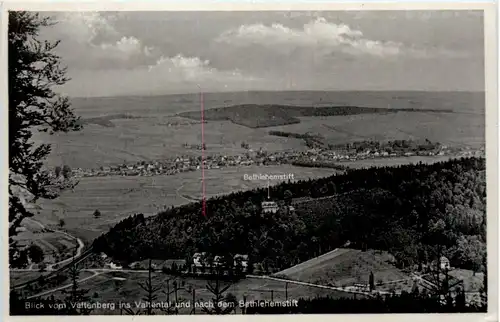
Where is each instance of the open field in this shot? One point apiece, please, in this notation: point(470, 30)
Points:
point(53, 244)
point(118, 197)
point(472, 282)
point(345, 267)
point(225, 181)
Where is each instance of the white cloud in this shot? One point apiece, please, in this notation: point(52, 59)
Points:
point(85, 27)
point(193, 69)
point(125, 48)
point(168, 75)
point(318, 34)
point(99, 36)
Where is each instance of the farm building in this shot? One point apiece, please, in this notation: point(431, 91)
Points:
point(218, 260)
point(444, 263)
point(178, 262)
point(243, 259)
point(144, 264)
point(199, 259)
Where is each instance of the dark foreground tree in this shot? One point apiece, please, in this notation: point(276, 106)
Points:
point(372, 281)
point(34, 70)
point(218, 289)
point(76, 296)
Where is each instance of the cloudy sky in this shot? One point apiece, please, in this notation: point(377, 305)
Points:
point(123, 53)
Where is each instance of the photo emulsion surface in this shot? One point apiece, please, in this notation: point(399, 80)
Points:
point(253, 162)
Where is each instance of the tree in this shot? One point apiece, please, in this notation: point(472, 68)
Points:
point(33, 106)
point(36, 253)
point(150, 290)
point(76, 295)
point(66, 172)
point(470, 251)
point(97, 213)
point(218, 290)
point(174, 268)
point(231, 300)
point(238, 268)
point(372, 282)
point(250, 266)
point(287, 196)
point(57, 171)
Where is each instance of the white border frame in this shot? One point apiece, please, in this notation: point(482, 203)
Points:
point(491, 102)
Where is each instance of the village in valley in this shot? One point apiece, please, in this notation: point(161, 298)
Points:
point(314, 157)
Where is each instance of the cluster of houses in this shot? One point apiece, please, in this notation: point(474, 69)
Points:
point(250, 157)
point(199, 262)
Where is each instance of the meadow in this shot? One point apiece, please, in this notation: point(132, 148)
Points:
point(53, 244)
point(346, 267)
point(117, 197)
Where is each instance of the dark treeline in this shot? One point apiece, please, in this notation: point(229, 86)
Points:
point(390, 146)
point(401, 303)
point(319, 164)
point(266, 115)
point(406, 210)
point(292, 135)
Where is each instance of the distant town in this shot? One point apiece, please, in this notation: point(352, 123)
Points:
point(314, 157)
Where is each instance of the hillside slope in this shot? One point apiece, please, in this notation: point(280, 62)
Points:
point(406, 210)
point(344, 266)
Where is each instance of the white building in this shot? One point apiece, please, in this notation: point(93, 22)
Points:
point(243, 259)
point(199, 259)
point(218, 260)
point(444, 263)
point(270, 207)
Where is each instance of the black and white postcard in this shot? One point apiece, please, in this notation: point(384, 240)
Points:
point(263, 159)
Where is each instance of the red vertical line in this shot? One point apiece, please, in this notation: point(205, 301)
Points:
point(203, 202)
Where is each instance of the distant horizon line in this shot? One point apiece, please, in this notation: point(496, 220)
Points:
point(284, 91)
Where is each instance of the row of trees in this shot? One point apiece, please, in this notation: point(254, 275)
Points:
point(65, 171)
point(390, 146)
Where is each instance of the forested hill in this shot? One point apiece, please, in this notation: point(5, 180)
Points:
point(408, 210)
point(268, 115)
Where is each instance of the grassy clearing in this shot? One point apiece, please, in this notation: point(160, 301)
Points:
point(225, 181)
point(50, 242)
point(119, 197)
point(472, 282)
point(347, 267)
